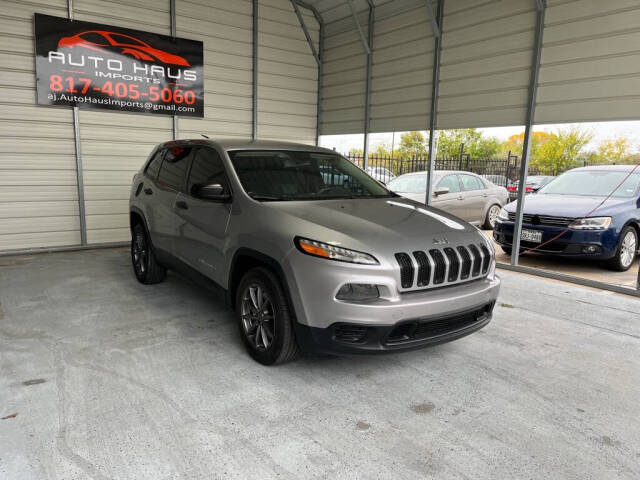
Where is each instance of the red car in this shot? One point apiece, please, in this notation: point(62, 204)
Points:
point(101, 40)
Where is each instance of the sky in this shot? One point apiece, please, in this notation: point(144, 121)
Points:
point(601, 131)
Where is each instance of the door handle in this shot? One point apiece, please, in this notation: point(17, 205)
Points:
point(460, 198)
point(485, 195)
point(148, 191)
point(182, 205)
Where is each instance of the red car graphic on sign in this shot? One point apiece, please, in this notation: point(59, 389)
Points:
point(123, 44)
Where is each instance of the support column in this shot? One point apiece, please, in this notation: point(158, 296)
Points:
point(367, 104)
point(531, 110)
point(254, 129)
point(433, 115)
point(172, 11)
point(79, 167)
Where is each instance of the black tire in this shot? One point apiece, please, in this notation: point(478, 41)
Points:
point(252, 324)
point(487, 225)
point(145, 266)
point(617, 263)
point(506, 250)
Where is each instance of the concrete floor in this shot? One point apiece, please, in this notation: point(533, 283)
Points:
point(102, 377)
point(590, 270)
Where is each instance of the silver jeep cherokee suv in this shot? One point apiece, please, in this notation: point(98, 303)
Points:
point(311, 252)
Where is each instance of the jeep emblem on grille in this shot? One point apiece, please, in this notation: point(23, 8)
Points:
point(440, 241)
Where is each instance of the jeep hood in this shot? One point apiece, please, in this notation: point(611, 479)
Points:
point(393, 223)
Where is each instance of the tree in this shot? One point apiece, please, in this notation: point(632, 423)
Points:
point(615, 150)
point(561, 151)
point(514, 143)
point(382, 150)
point(355, 152)
point(413, 144)
point(475, 144)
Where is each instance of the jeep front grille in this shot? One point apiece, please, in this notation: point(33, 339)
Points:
point(439, 267)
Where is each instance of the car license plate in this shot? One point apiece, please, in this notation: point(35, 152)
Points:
point(534, 236)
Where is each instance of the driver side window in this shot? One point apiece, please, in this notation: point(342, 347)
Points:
point(207, 168)
point(450, 182)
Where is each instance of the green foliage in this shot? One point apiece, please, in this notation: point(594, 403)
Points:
point(475, 144)
point(562, 150)
point(615, 150)
point(413, 144)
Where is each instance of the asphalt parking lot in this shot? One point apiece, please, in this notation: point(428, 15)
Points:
point(101, 377)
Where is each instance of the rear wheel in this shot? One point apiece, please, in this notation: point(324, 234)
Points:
point(145, 266)
point(506, 250)
point(265, 319)
point(491, 217)
point(626, 251)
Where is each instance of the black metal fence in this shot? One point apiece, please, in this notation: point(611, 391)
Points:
point(500, 171)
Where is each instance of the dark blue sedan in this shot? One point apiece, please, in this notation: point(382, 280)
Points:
point(565, 207)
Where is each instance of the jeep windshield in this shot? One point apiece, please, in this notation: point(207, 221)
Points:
point(279, 175)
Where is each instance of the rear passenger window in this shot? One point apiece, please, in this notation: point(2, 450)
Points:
point(469, 182)
point(174, 167)
point(207, 167)
point(154, 164)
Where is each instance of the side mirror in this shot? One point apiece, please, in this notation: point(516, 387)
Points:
point(441, 191)
point(210, 191)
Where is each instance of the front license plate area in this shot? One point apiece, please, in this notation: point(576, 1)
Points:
point(534, 236)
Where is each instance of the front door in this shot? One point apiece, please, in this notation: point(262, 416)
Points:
point(449, 202)
point(202, 224)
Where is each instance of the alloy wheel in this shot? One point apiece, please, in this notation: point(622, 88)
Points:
point(494, 211)
point(140, 254)
point(258, 317)
point(628, 249)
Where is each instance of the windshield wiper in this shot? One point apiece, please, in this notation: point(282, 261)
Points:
point(267, 198)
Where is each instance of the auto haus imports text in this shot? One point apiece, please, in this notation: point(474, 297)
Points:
point(123, 80)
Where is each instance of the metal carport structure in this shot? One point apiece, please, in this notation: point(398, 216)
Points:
point(295, 70)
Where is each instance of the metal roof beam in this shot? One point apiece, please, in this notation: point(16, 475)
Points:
point(434, 22)
point(303, 24)
point(354, 14)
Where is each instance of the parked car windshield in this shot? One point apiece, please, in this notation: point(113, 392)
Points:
point(593, 183)
point(409, 184)
point(272, 175)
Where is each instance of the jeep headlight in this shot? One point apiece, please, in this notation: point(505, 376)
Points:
point(591, 223)
point(503, 215)
point(333, 252)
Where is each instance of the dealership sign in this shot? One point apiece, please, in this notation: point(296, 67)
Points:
point(99, 66)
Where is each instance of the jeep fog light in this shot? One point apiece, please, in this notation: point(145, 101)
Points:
point(358, 292)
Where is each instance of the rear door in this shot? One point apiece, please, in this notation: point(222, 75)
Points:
point(449, 202)
point(202, 224)
point(474, 194)
point(171, 180)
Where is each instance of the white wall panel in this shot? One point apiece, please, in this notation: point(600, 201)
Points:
point(225, 28)
point(287, 73)
point(38, 193)
point(486, 62)
point(590, 67)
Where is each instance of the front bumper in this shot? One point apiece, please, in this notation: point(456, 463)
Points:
point(343, 338)
point(572, 243)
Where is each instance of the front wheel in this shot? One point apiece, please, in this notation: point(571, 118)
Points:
point(491, 217)
point(265, 319)
point(626, 250)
